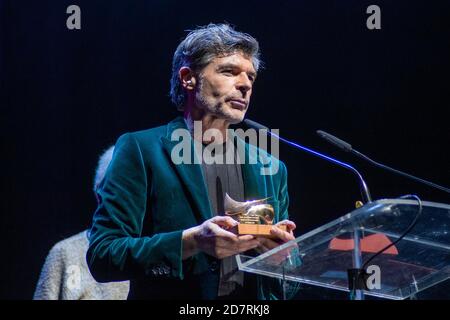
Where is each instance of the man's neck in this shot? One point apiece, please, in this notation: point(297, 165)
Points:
point(207, 122)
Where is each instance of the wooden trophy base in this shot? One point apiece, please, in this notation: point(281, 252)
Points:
point(261, 230)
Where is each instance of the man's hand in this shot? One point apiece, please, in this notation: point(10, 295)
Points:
point(280, 236)
point(213, 238)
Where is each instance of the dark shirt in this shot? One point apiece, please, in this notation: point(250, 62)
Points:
point(222, 177)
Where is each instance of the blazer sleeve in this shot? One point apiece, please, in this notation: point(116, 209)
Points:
point(283, 196)
point(117, 251)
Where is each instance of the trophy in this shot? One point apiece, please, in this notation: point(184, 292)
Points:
point(254, 217)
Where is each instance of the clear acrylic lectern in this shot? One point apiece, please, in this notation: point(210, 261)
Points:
point(323, 256)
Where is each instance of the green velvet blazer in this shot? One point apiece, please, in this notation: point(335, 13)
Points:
point(146, 201)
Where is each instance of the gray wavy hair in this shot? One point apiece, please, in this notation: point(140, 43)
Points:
point(201, 46)
point(103, 163)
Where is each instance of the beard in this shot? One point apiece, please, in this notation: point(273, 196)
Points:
point(220, 109)
point(215, 104)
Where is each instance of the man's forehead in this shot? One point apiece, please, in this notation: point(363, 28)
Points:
point(235, 59)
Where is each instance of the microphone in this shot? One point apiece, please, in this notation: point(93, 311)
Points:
point(356, 273)
point(362, 184)
point(348, 148)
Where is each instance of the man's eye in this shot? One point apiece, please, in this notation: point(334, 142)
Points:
point(227, 71)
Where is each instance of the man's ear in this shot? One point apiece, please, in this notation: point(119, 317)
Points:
point(187, 78)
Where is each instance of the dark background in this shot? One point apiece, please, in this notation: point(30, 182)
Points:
point(66, 95)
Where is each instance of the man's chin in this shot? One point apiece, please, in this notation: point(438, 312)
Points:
point(230, 115)
point(235, 119)
point(235, 116)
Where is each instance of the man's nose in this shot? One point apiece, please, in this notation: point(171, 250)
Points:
point(244, 84)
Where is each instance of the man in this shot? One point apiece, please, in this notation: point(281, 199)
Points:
point(162, 224)
point(65, 274)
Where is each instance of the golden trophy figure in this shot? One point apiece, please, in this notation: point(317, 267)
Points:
point(254, 217)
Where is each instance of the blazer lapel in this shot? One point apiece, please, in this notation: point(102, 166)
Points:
point(191, 175)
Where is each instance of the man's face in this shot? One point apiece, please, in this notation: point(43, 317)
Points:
point(226, 86)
